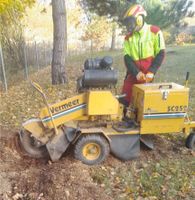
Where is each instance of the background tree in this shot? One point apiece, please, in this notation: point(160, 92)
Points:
point(161, 13)
point(12, 31)
point(19, 6)
point(97, 32)
point(113, 41)
point(59, 41)
point(165, 14)
point(76, 25)
point(112, 9)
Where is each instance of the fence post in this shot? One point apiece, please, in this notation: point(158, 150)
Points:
point(37, 56)
point(45, 56)
point(25, 62)
point(3, 68)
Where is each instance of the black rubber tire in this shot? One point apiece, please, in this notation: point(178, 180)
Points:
point(190, 141)
point(26, 142)
point(92, 139)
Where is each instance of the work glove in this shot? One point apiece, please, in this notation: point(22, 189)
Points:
point(149, 77)
point(141, 77)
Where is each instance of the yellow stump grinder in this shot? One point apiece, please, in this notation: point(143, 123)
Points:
point(93, 121)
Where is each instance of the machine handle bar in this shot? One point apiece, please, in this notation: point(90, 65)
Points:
point(165, 86)
point(187, 76)
point(120, 96)
point(187, 79)
point(37, 87)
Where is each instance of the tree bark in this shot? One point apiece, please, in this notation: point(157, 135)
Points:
point(113, 42)
point(59, 42)
point(91, 45)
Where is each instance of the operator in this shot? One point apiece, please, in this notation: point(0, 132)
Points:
point(144, 50)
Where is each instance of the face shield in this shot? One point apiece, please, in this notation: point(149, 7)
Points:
point(130, 23)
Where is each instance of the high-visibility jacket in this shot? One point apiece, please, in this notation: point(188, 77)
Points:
point(143, 51)
point(144, 46)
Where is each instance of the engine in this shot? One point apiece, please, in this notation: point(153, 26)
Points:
point(98, 73)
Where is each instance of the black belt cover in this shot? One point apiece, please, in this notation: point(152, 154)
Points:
point(125, 147)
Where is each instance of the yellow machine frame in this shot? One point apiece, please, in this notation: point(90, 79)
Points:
point(156, 108)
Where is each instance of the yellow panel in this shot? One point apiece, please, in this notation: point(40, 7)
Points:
point(138, 103)
point(159, 98)
point(108, 131)
point(160, 86)
point(156, 126)
point(102, 103)
point(175, 102)
point(34, 126)
point(67, 110)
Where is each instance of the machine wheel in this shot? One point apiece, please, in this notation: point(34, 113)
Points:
point(190, 141)
point(32, 146)
point(91, 149)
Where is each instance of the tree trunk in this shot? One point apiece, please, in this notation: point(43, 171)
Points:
point(113, 42)
point(91, 45)
point(59, 42)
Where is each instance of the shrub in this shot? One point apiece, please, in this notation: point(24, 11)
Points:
point(167, 37)
point(183, 38)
